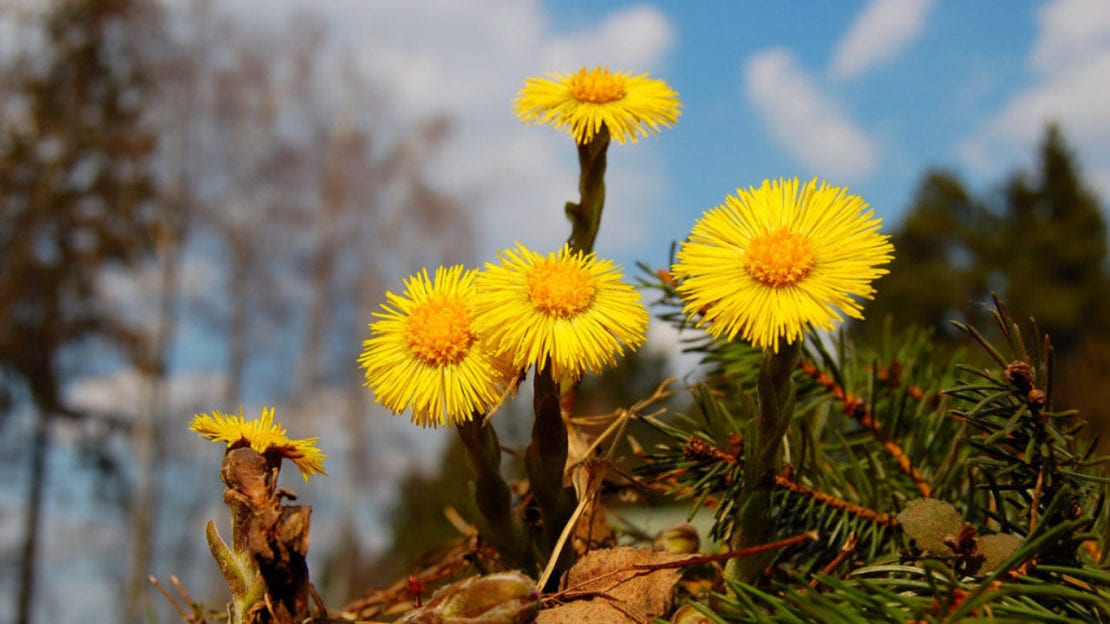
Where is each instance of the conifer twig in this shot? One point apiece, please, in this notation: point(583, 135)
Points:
point(857, 409)
point(837, 503)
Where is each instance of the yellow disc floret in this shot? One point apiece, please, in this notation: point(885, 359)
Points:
point(560, 289)
point(779, 258)
point(597, 87)
point(438, 331)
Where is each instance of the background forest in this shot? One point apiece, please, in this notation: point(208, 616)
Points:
point(199, 210)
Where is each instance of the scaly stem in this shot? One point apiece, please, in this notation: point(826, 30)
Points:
point(546, 459)
point(754, 523)
point(491, 493)
point(585, 216)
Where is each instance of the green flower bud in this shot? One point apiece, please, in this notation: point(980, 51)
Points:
point(680, 539)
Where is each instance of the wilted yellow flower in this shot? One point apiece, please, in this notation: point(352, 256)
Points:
point(567, 308)
point(580, 103)
point(263, 435)
point(773, 260)
point(425, 354)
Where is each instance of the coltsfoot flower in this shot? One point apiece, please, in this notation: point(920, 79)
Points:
point(425, 353)
point(582, 102)
point(776, 259)
point(263, 435)
point(569, 309)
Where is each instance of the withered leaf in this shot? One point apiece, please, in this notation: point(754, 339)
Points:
point(606, 586)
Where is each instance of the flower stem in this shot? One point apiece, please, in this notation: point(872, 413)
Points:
point(546, 456)
point(754, 523)
point(546, 459)
point(585, 216)
point(491, 493)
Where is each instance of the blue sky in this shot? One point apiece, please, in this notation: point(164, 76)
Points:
point(868, 94)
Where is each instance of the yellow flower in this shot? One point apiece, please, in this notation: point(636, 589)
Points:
point(582, 102)
point(424, 353)
point(566, 308)
point(773, 260)
point(262, 435)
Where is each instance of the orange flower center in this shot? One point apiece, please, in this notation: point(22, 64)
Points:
point(779, 258)
point(438, 331)
point(560, 289)
point(597, 86)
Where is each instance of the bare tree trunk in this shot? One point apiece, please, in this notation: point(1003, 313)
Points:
point(149, 436)
point(237, 324)
point(36, 486)
point(323, 270)
point(344, 146)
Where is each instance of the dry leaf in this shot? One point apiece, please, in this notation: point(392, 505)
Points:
point(613, 590)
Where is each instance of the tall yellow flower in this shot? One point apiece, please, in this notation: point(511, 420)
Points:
point(580, 103)
point(263, 435)
point(425, 354)
point(568, 309)
point(772, 261)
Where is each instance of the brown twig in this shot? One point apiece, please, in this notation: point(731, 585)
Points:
point(845, 551)
point(377, 601)
point(170, 599)
point(808, 536)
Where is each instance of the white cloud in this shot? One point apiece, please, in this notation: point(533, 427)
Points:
point(467, 59)
point(633, 40)
point(665, 339)
point(879, 33)
point(1072, 56)
point(471, 69)
point(807, 123)
point(1070, 32)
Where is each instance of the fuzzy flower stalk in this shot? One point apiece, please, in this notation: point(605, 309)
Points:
point(563, 314)
point(767, 266)
point(595, 107)
point(427, 356)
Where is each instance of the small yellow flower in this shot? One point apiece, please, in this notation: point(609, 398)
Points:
point(566, 308)
point(424, 353)
point(773, 260)
point(262, 435)
point(581, 103)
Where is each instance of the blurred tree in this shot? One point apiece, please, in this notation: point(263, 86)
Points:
point(1051, 248)
point(938, 272)
point(1039, 242)
point(75, 197)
